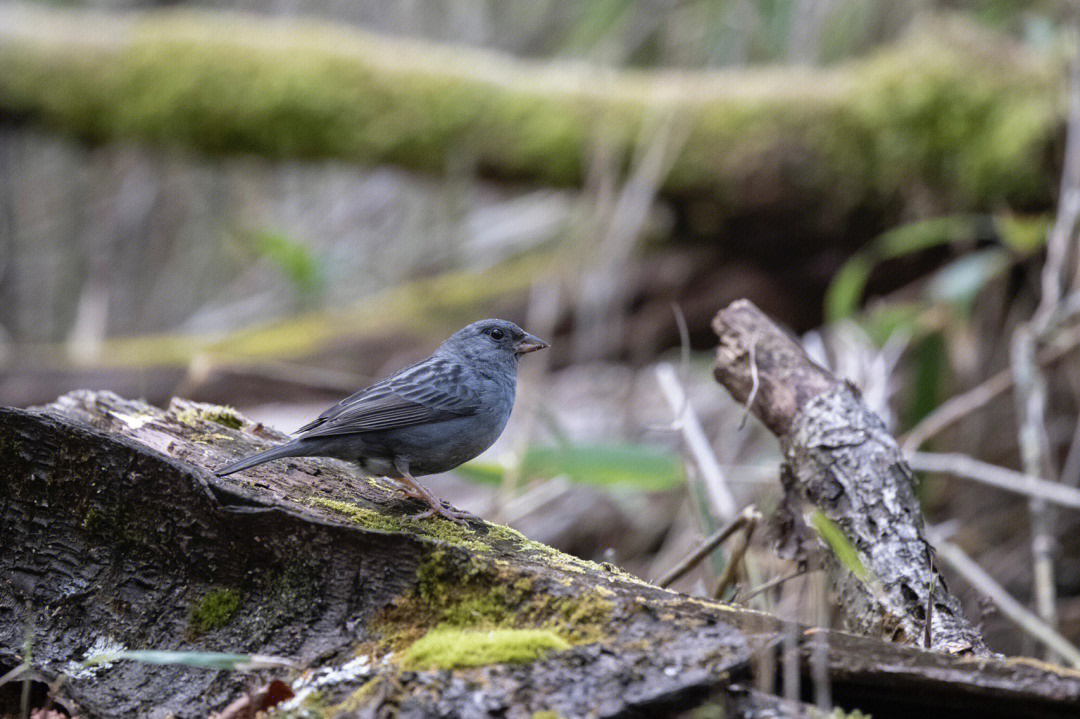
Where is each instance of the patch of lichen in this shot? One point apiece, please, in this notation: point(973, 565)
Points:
point(450, 647)
point(547, 714)
point(214, 610)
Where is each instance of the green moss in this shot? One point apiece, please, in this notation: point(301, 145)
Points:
point(443, 530)
point(94, 521)
point(477, 594)
point(225, 416)
point(953, 112)
point(450, 647)
point(368, 518)
point(112, 525)
point(214, 610)
point(194, 413)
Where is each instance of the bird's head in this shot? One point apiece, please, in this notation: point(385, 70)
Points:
point(492, 338)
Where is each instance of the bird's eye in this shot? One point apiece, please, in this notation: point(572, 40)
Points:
point(496, 334)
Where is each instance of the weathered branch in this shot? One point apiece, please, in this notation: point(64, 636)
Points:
point(844, 463)
point(116, 535)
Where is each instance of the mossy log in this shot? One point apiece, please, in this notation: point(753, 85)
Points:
point(952, 117)
point(118, 536)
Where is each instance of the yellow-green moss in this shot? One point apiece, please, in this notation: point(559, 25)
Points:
point(479, 594)
point(447, 647)
point(195, 413)
point(226, 416)
point(547, 714)
point(432, 527)
point(368, 518)
point(949, 110)
point(355, 701)
point(214, 610)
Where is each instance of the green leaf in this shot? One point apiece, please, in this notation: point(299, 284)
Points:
point(624, 465)
point(845, 292)
point(293, 258)
point(840, 545)
point(923, 235)
point(960, 282)
point(203, 660)
point(931, 366)
point(1024, 235)
point(617, 465)
point(482, 472)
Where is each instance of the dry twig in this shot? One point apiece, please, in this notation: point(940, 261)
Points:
point(732, 568)
point(720, 496)
point(708, 546)
point(774, 583)
point(956, 408)
point(965, 467)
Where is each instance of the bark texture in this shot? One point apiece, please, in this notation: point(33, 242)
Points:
point(842, 461)
point(117, 535)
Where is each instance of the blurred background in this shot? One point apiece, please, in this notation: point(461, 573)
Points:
point(269, 204)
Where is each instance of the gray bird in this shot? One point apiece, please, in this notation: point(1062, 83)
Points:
point(426, 418)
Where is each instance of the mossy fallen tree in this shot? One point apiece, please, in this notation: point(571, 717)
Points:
point(118, 537)
point(952, 113)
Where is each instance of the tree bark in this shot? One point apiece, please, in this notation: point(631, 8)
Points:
point(841, 461)
point(117, 535)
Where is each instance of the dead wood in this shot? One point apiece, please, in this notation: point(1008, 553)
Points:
point(842, 461)
point(117, 535)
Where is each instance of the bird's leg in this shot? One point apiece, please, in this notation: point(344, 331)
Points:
point(435, 505)
point(408, 491)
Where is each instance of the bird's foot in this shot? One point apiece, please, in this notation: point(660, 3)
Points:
point(409, 493)
point(458, 516)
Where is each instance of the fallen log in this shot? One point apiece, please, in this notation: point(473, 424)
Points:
point(118, 537)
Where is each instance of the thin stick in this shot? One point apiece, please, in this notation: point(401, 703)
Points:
point(706, 548)
point(720, 496)
point(1030, 399)
point(755, 382)
point(928, 635)
point(684, 335)
point(1028, 377)
point(731, 570)
point(956, 408)
point(13, 674)
point(774, 583)
point(1013, 610)
point(965, 467)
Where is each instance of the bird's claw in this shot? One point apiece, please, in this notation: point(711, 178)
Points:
point(454, 515)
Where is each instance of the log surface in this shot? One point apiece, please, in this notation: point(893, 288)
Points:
point(115, 533)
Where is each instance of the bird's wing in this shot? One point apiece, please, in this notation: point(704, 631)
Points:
point(428, 391)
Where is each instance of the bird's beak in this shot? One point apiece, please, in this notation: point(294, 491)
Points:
point(529, 344)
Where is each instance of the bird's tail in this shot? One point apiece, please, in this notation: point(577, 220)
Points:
point(286, 450)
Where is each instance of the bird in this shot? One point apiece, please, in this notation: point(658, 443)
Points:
point(426, 418)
